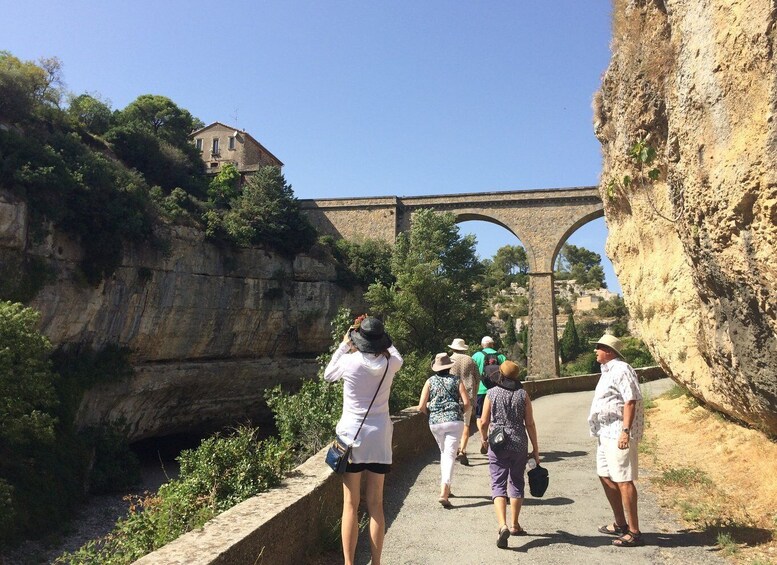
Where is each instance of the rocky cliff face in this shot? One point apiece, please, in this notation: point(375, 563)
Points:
point(209, 328)
point(693, 232)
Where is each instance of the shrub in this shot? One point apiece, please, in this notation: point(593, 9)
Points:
point(361, 262)
point(265, 213)
point(306, 419)
point(115, 466)
point(223, 471)
point(27, 419)
point(409, 381)
point(585, 364)
point(636, 353)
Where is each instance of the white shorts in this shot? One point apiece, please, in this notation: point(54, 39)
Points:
point(620, 465)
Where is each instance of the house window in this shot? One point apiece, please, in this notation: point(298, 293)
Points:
point(215, 148)
point(198, 143)
point(231, 142)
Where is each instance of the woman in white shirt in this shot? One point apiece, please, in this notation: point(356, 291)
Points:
point(366, 361)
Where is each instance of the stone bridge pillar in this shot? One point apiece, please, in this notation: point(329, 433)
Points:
point(543, 351)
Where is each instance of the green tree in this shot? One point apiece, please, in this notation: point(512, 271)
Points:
point(614, 307)
point(509, 265)
point(27, 401)
point(26, 86)
point(362, 262)
point(91, 113)
point(163, 117)
point(152, 135)
point(436, 293)
point(265, 213)
point(580, 264)
point(162, 163)
point(224, 187)
point(569, 346)
point(510, 336)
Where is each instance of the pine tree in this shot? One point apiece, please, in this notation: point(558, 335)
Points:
point(569, 347)
point(510, 336)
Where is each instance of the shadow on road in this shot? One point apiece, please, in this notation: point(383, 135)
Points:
point(555, 456)
point(555, 501)
point(682, 538)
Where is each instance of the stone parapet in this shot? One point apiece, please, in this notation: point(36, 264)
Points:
point(285, 525)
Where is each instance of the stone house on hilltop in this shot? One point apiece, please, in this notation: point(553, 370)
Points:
point(220, 144)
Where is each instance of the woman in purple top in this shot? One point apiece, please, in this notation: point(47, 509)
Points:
point(509, 406)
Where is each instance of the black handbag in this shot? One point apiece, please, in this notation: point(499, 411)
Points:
point(538, 481)
point(339, 453)
point(497, 437)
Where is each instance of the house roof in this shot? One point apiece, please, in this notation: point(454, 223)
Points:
point(244, 132)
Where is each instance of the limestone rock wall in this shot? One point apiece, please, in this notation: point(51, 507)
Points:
point(695, 248)
point(209, 328)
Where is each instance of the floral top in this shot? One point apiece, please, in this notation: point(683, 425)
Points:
point(444, 399)
point(617, 385)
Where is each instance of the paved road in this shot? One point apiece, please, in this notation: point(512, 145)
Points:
point(562, 525)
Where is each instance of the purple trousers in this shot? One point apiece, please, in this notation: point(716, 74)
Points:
point(506, 469)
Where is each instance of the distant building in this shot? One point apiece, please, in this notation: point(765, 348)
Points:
point(587, 303)
point(220, 144)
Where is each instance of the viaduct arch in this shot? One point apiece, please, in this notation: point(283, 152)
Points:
point(542, 219)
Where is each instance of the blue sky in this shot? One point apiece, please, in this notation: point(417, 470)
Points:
point(358, 98)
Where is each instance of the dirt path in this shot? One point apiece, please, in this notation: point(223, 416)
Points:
point(562, 524)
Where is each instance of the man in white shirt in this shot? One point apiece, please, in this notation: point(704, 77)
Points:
point(617, 421)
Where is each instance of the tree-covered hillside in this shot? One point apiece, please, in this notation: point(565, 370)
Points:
point(107, 177)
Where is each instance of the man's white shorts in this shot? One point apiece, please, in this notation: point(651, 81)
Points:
point(618, 464)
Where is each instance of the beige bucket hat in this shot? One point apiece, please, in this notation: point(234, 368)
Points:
point(441, 361)
point(458, 344)
point(612, 342)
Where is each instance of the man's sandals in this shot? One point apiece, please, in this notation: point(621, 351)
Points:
point(629, 539)
point(614, 529)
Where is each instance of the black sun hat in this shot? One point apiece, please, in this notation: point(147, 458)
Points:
point(371, 336)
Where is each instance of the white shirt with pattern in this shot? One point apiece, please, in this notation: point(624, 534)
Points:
point(617, 385)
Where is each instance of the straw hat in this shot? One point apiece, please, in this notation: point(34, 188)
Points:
point(510, 371)
point(458, 344)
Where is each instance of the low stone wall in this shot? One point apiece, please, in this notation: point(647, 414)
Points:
point(580, 383)
point(283, 525)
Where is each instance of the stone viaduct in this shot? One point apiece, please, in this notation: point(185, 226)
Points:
point(541, 219)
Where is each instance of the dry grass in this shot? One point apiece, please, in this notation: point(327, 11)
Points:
point(717, 475)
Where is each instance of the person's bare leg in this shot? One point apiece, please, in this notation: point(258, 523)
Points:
point(500, 508)
point(464, 438)
point(628, 494)
point(374, 497)
point(349, 528)
point(515, 511)
point(613, 494)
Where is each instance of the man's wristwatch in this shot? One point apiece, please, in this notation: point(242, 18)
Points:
point(625, 430)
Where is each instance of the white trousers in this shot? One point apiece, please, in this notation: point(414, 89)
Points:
point(448, 435)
